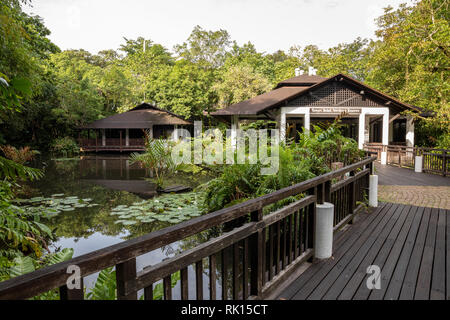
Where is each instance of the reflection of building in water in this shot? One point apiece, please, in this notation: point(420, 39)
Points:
point(126, 131)
point(116, 173)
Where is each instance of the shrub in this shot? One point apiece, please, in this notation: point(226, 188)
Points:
point(65, 146)
point(21, 156)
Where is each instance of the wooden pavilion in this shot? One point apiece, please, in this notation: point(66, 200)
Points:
point(127, 131)
point(368, 115)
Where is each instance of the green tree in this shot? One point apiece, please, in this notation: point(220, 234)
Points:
point(411, 61)
point(240, 83)
point(207, 48)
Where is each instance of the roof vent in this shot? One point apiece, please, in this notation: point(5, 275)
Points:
point(312, 71)
point(298, 72)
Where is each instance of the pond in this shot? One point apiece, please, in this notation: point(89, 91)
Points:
point(108, 182)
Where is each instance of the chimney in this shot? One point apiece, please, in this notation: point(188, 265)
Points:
point(298, 72)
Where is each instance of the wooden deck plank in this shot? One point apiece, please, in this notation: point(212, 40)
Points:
point(409, 283)
point(389, 266)
point(356, 282)
point(395, 284)
point(398, 236)
point(410, 244)
point(324, 278)
point(339, 250)
point(367, 252)
point(423, 285)
point(438, 275)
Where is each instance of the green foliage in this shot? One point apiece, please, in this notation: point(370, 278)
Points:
point(310, 157)
point(65, 146)
point(104, 287)
point(240, 83)
point(237, 183)
point(157, 158)
point(410, 61)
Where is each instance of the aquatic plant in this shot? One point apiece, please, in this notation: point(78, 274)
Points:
point(53, 205)
point(171, 208)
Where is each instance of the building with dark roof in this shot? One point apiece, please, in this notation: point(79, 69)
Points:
point(367, 115)
point(126, 131)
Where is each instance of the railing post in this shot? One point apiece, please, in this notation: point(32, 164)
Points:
point(352, 194)
point(256, 258)
point(323, 231)
point(373, 191)
point(384, 151)
point(125, 274)
point(444, 163)
point(72, 294)
point(418, 164)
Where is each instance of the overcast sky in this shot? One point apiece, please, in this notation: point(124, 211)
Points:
point(270, 25)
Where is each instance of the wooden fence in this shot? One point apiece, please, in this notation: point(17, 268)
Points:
point(111, 144)
point(248, 262)
point(434, 160)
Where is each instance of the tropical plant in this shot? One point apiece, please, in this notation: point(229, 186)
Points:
point(21, 156)
point(157, 158)
point(65, 146)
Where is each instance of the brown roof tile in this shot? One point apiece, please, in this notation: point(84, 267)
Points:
point(303, 81)
point(140, 117)
point(260, 103)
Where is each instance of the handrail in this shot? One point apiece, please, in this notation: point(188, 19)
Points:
point(54, 276)
point(434, 159)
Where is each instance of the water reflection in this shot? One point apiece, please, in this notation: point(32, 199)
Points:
point(110, 180)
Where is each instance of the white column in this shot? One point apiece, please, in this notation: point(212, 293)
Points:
point(373, 191)
point(283, 125)
point(307, 120)
point(385, 135)
point(361, 129)
point(367, 129)
point(234, 127)
point(409, 131)
point(175, 133)
point(103, 137)
point(323, 242)
point(127, 137)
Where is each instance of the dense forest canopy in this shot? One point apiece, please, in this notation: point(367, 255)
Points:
point(57, 91)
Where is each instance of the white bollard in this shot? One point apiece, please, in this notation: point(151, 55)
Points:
point(323, 242)
point(383, 157)
point(373, 191)
point(418, 164)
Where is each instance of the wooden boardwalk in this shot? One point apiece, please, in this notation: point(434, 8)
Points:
point(411, 245)
point(389, 175)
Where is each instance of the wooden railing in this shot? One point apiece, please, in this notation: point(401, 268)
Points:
point(434, 160)
point(91, 144)
point(253, 259)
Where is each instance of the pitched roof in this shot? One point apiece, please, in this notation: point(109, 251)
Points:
point(303, 80)
point(260, 103)
point(284, 93)
point(141, 117)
